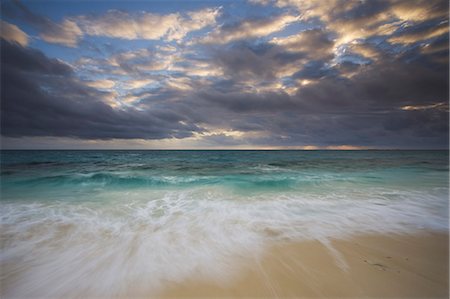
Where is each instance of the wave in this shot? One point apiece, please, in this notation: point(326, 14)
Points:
point(112, 179)
point(139, 239)
point(132, 179)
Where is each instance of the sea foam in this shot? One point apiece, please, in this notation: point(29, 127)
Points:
point(143, 239)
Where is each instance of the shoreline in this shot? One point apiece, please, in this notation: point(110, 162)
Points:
point(373, 265)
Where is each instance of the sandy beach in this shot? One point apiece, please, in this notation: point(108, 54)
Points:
point(377, 266)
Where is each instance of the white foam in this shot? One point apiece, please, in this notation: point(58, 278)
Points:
point(139, 240)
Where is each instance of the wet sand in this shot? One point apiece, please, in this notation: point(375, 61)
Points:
point(380, 266)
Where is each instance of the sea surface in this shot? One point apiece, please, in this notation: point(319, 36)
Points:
point(100, 223)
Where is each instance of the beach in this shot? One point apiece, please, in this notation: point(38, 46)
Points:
point(266, 224)
point(376, 266)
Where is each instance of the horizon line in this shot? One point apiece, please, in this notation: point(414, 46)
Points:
point(224, 149)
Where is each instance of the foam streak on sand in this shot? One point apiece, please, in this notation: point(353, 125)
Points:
point(157, 223)
point(378, 266)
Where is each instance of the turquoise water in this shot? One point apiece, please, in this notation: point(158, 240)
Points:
point(137, 219)
point(55, 174)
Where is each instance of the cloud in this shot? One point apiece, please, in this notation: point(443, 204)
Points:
point(314, 69)
point(420, 33)
point(360, 110)
point(41, 97)
point(315, 43)
point(241, 61)
point(119, 24)
point(103, 84)
point(143, 60)
point(241, 102)
point(138, 83)
point(199, 68)
point(261, 63)
point(348, 74)
point(353, 20)
point(12, 33)
point(196, 21)
point(422, 10)
point(67, 33)
point(365, 50)
point(249, 29)
point(17, 58)
point(440, 106)
point(260, 2)
point(436, 50)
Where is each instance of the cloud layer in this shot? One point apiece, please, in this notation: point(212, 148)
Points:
point(299, 74)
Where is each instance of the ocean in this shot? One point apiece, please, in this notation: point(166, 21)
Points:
point(133, 219)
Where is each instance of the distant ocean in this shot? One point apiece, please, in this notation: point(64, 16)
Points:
point(148, 217)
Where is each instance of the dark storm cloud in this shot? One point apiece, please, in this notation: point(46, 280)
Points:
point(240, 59)
point(314, 70)
point(364, 109)
point(313, 44)
point(244, 60)
point(384, 85)
point(365, 10)
point(18, 10)
point(437, 50)
point(247, 102)
point(41, 97)
point(18, 58)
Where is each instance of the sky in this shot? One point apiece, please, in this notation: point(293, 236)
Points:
point(256, 74)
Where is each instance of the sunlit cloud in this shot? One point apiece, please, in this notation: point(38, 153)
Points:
point(138, 83)
point(103, 84)
point(365, 50)
point(149, 26)
point(180, 83)
point(421, 11)
point(66, 33)
point(439, 106)
point(13, 33)
point(353, 20)
point(249, 29)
